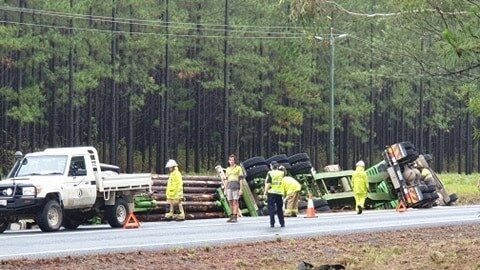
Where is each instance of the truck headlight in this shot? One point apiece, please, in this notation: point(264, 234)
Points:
point(28, 191)
point(8, 192)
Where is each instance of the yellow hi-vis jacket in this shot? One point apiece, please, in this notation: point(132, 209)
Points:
point(290, 185)
point(360, 180)
point(174, 185)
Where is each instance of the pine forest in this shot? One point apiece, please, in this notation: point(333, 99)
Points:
point(197, 80)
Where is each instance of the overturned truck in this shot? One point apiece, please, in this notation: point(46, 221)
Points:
point(403, 178)
point(414, 182)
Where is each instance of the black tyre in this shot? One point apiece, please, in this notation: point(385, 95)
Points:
point(50, 217)
point(117, 214)
point(252, 162)
point(411, 152)
point(300, 157)
point(3, 225)
point(301, 168)
point(282, 158)
point(259, 171)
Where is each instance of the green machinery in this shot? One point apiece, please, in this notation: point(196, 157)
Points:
point(395, 179)
point(336, 187)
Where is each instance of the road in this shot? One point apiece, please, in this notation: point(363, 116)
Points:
point(33, 244)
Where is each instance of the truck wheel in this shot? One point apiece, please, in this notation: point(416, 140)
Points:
point(254, 161)
point(3, 225)
point(259, 171)
point(117, 214)
point(50, 218)
point(282, 158)
point(300, 157)
point(301, 168)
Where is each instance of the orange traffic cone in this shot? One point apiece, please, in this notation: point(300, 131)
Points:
point(401, 207)
point(310, 207)
point(135, 224)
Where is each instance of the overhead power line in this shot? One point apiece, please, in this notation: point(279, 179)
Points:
point(143, 22)
point(286, 36)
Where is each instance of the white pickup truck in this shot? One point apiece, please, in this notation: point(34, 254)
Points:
point(65, 187)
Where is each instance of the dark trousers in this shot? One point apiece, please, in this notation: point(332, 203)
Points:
point(275, 206)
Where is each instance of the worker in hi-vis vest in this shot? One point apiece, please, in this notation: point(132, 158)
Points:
point(274, 192)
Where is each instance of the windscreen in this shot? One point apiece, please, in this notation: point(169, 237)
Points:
point(42, 165)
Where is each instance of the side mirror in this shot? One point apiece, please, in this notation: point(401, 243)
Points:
point(18, 155)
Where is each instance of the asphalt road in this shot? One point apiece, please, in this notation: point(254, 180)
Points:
point(97, 239)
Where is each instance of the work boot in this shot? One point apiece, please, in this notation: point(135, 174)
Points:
point(359, 211)
point(180, 217)
point(233, 219)
point(169, 216)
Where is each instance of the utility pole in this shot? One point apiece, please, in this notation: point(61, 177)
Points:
point(331, 149)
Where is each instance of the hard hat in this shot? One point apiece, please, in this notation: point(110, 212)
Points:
point(171, 163)
point(281, 167)
point(360, 163)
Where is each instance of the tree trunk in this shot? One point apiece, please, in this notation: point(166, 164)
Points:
point(226, 111)
point(113, 120)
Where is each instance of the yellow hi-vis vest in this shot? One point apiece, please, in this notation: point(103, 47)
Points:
point(276, 185)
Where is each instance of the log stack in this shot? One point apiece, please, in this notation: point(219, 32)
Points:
point(200, 198)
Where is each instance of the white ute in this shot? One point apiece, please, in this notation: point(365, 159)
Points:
point(65, 187)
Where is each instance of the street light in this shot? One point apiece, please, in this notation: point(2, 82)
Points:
point(332, 92)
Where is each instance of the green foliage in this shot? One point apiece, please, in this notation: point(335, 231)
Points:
point(463, 185)
point(29, 100)
point(277, 74)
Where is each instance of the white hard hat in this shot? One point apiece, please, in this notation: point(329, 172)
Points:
point(171, 163)
point(360, 163)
